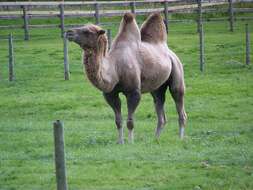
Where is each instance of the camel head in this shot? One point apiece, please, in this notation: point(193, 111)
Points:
point(87, 36)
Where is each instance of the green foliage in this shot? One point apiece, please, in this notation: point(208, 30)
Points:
point(216, 153)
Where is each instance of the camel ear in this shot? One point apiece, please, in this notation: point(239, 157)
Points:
point(100, 32)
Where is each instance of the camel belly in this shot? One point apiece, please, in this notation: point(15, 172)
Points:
point(154, 80)
point(155, 67)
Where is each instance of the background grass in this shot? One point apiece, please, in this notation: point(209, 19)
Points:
point(216, 153)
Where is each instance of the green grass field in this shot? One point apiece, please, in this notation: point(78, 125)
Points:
point(216, 153)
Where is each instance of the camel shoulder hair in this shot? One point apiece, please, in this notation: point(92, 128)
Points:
point(153, 30)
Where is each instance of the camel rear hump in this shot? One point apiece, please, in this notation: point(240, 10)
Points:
point(153, 30)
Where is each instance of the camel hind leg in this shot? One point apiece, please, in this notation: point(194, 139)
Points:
point(159, 100)
point(177, 91)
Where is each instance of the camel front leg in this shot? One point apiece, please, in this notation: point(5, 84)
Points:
point(133, 99)
point(114, 101)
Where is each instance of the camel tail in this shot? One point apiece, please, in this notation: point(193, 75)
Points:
point(176, 79)
point(153, 30)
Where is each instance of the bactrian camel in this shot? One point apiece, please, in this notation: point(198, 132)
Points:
point(139, 61)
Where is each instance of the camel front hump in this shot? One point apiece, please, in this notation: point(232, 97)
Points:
point(155, 66)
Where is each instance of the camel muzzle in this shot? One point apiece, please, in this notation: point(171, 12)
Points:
point(71, 35)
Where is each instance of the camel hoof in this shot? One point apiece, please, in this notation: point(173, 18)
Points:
point(158, 132)
point(157, 140)
point(131, 136)
point(130, 140)
point(181, 133)
point(121, 141)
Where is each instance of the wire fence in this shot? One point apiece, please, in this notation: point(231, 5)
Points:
point(196, 7)
point(242, 50)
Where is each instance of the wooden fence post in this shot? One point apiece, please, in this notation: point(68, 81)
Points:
point(201, 37)
point(26, 23)
point(201, 48)
point(132, 5)
point(11, 59)
point(97, 13)
point(61, 6)
point(199, 14)
point(109, 36)
point(166, 22)
point(60, 156)
point(247, 45)
point(231, 15)
point(66, 63)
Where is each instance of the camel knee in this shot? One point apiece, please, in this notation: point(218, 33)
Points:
point(130, 124)
point(118, 123)
point(182, 119)
point(162, 122)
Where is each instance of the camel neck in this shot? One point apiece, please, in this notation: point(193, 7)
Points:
point(93, 63)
